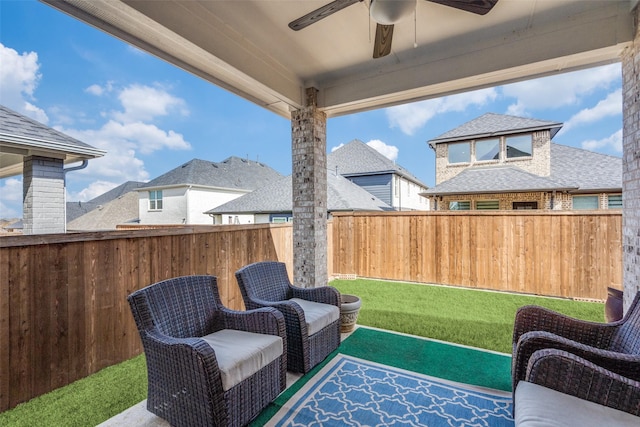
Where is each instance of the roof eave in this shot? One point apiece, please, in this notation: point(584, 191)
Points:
point(551, 128)
point(22, 142)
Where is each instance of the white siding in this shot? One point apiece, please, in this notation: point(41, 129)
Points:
point(183, 205)
point(406, 195)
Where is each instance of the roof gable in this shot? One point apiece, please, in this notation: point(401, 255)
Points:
point(342, 195)
point(357, 158)
point(234, 172)
point(492, 124)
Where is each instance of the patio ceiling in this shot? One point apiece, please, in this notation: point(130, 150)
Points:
point(247, 47)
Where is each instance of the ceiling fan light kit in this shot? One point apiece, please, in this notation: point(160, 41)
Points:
point(386, 13)
point(389, 12)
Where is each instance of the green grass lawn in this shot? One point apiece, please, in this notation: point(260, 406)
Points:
point(470, 317)
point(465, 316)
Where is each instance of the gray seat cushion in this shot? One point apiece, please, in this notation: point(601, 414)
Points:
point(241, 354)
point(317, 315)
point(538, 406)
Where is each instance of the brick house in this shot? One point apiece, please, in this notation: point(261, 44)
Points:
point(505, 162)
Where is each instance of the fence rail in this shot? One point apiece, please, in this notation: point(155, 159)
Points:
point(63, 309)
point(564, 254)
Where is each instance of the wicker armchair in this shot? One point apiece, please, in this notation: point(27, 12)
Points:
point(573, 375)
point(311, 335)
point(613, 346)
point(201, 357)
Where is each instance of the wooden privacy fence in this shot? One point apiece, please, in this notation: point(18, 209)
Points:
point(565, 254)
point(63, 308)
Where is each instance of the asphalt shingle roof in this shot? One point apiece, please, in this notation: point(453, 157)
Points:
point(491, 124)
point(234, 172)
point(572, 169)
point(16, 126)
point(357, 158)
point(342, 195)
point(121, 210)
point(585, 169)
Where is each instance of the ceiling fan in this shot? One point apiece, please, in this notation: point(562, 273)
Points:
point(386, 13)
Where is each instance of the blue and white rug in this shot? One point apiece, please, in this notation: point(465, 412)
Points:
point(353, 392)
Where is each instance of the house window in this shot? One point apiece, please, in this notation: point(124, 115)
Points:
point(280, 218)
point(459, 152)
point(486, 205)
point(155, 200)
point(460, 206)
point(585, 202)
point(614, 201)
point(519, 146)
point(524, 206)
point(487, 149)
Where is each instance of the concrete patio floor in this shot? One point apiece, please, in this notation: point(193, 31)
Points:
point(138, 416)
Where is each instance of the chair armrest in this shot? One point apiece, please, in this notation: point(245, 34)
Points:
point(534, 318)
point(573, 375)
point(179, 365)
point(627, 365)
point(322, 294)
point(265, 320)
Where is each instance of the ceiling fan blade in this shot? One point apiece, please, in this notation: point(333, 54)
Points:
point(479, 7)
point(320, 13)
point(382, 43)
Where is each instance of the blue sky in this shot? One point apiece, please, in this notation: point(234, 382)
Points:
point(151, 117)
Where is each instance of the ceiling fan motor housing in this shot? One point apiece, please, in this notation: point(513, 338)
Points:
point(389, 12)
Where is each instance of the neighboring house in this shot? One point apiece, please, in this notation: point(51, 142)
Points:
point(122, 210)
point(380, 176)
point(505, 162)
point(273, 203)
point(105, 212)
point(182, 195)
point(40, 154)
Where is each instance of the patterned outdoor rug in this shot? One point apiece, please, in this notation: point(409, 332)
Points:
point(354, 392)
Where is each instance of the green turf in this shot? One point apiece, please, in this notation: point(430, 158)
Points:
point(86, 402)
point(465, 316)
point(474, 318)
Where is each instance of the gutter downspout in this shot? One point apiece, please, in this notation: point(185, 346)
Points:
point(83, 165)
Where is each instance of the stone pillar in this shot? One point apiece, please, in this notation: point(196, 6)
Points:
point(43, 196)
point(631, 165)
point(309, 180)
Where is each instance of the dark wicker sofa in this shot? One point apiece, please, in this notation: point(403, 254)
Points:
point(613, 346)
point(562, 389)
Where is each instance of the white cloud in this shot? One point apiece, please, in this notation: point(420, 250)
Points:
point(97, 90)
point(613, 142)
point(411, 117)
point(336, 147)
point(144, 103)
point(559, 90)
point(11, 200)
point(127, 135)
point(145, 137)
point(19, 78)
point(389, 151)
point(94, 190)
point(610, 106)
